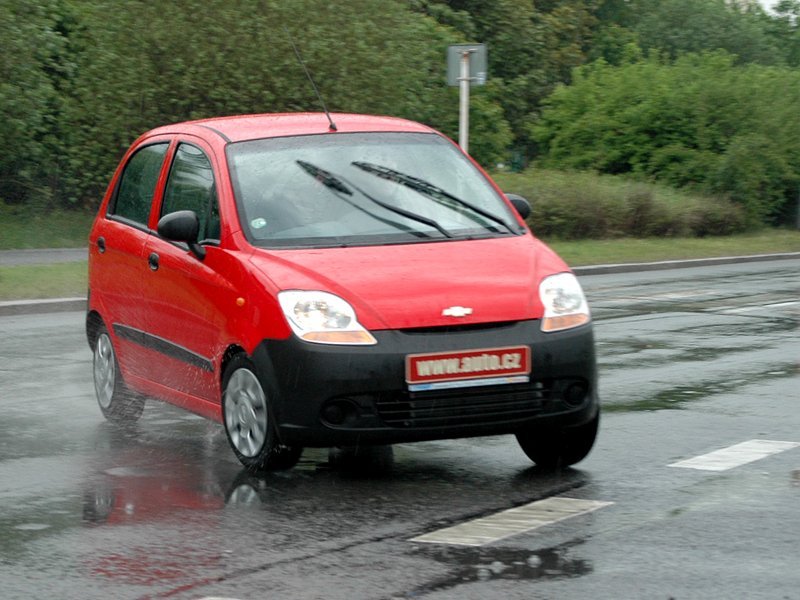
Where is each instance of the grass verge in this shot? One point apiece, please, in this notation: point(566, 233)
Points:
point(28, 282)
point(25, 227)
point(633, 250)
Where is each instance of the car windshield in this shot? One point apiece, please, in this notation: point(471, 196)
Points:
point(362, 189)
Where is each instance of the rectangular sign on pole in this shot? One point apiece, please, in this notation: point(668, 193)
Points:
point(466, 66)
point(477, 63)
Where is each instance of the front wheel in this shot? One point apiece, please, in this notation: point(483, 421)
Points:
point(552, 449)
point(248, 423)
point(118, 404)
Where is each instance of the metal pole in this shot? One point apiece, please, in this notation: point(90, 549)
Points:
point(463, 117)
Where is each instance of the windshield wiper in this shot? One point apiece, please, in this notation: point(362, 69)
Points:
point(338, 184)
point(428, 189)
point(325, 178)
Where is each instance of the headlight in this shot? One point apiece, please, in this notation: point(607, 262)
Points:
point(323, 318)
point(564, 303)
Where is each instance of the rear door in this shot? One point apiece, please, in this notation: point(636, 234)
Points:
point(117, 262)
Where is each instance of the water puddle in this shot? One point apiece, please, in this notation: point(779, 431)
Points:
point(487, 564)
point(630, 346)
point(678, 396)
point(655, 354)
point(757, 327)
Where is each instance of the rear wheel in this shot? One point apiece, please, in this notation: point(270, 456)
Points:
point(552, 449)
point(118, 404)
point(248, 423)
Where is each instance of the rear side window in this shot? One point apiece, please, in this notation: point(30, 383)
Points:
point(191, 187)
point(138, 183)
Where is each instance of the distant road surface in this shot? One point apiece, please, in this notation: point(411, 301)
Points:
point(45, 256)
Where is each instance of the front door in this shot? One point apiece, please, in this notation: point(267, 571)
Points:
point(185, 298)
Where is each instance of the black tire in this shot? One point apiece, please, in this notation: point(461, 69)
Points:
point(559, 448)
point(248, 420)
point(117, 402)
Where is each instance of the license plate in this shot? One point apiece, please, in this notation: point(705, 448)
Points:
point(465, 368)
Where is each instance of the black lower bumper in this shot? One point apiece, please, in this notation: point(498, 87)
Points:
point(324, 395)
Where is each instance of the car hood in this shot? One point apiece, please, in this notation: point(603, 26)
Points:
point(409, 286)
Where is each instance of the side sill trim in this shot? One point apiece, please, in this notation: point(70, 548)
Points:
point(163, 346)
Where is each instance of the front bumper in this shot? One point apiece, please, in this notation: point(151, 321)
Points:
point(347, 395)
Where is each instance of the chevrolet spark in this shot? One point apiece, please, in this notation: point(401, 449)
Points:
point(307, 284)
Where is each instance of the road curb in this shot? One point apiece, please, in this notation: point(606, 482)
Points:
point(28, 307)
point(32, 307)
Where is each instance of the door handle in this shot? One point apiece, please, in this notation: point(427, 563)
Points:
point(101, 245)
point(152, 260)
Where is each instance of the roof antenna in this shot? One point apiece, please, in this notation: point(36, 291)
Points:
point(314, 85)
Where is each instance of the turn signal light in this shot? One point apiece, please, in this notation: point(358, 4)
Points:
point(564, 322)
point(340, 337)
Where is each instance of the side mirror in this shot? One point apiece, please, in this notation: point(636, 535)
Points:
point(521, 204)
point(182, 226)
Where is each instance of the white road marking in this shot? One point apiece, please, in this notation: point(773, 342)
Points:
point(510, 522)
point(683, 295)
point(757, 307)
point(736, 455)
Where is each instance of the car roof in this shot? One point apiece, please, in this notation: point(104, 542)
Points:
point(251, 127)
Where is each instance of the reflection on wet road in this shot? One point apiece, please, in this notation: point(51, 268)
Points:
point(164, 510)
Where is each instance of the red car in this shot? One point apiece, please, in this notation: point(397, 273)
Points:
point(312, 285)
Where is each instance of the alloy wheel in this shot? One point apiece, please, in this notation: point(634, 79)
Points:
point(246, 412)
point(105, 370)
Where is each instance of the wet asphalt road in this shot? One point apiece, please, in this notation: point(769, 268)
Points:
point(692, 361)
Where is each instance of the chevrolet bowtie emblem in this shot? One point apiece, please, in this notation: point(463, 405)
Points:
point(456, 311)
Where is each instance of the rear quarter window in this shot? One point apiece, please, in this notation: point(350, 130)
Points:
point(138, 184)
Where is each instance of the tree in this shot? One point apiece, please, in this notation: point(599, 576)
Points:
point(533, 45)
point(676, 27)
point(203, 58)
point(785, 28)
point(29, 103)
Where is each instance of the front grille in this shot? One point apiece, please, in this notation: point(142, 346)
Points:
point(465, 406)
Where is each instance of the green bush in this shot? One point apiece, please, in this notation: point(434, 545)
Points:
point(702, 122)
point(576, 205)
